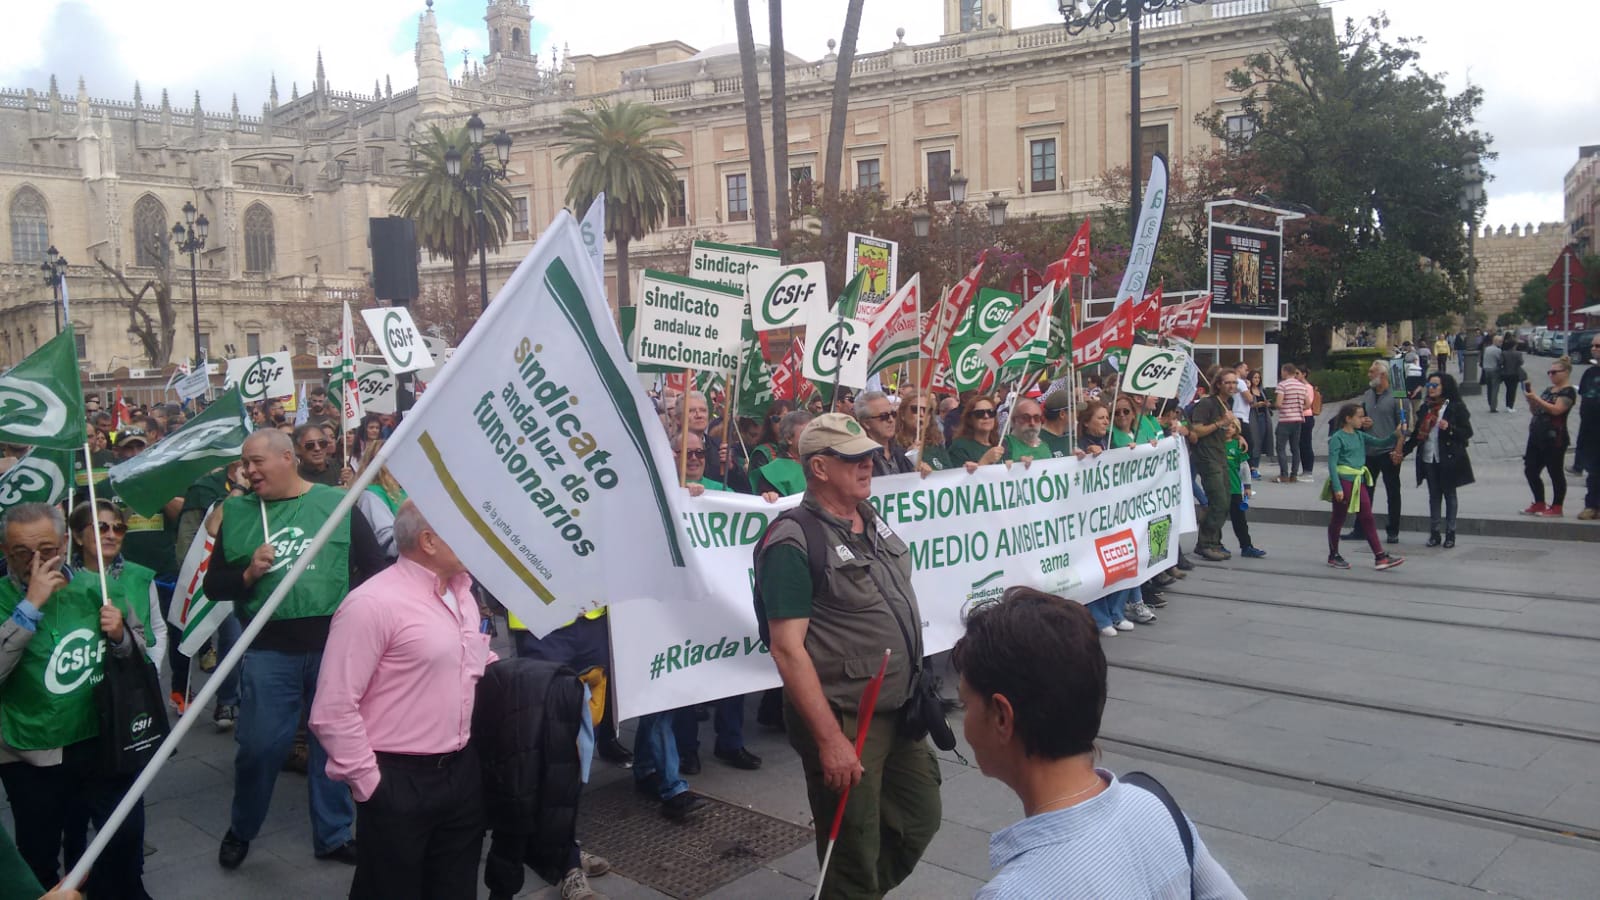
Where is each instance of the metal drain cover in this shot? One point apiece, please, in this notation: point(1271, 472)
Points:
point(689, 859)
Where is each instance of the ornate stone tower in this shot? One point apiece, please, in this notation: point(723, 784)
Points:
point(433, 82)
point(509, 23)
point(967, 16)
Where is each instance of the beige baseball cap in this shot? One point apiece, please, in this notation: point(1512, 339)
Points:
point(839, 433)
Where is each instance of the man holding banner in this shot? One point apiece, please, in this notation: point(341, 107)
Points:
point(827, 639)
point(260, 538)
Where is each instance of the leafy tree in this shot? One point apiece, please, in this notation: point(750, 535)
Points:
point(1349, 125)
point(619, 153)
point(445, 210)
point(1533, 304)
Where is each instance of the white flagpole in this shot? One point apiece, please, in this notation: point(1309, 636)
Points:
point(94, 521)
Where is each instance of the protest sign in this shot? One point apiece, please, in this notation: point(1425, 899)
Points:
point(593, 230)
point(195, 384)
point(1155, 371)
point(687, 324)
point(260, 377)
point(879, 258)
point(398, 339)
point(894, 331)
point(836, 349)
point(1071, 527)
point(782, 296)
point(377, 388)
point(555, 505)
point(729, 265)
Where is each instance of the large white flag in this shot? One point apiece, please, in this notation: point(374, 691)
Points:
point(594, 236)
point(538, 458)
point(349, 390)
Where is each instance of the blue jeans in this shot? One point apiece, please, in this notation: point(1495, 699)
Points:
point(728, 717)
point(655, 752)
point(1108, 610)
point(1287, 436)
point(227, 635)
point(275, 691)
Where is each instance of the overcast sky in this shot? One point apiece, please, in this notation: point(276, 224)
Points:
point(1542, 98)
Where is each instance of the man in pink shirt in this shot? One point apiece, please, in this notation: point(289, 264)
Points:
point(394, 711)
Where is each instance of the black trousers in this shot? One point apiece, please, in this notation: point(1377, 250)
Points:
point(1513, 388)
point(421, 832)
point(52, 806)
point(1491, 381)
point(1384, 466)
point(1241, 525)
point(1542, 457)
point(1308, 441)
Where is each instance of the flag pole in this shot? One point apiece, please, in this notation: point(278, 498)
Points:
point(683, 436)
point(869, 704)
point(94, 521)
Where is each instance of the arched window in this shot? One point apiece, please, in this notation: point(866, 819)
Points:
point(150, 232)
point(30, 226)
point(259, 246)
point(516, 41)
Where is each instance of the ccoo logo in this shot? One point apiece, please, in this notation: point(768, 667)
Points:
point(33, 478)
point(74, 660)
point(29, 410)
point(1119, 555)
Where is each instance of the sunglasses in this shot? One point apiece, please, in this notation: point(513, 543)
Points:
point(885, 417)
point(316, 445)
point(113, 528)
point(983, 414)
point(696, 454)
point(1028, 420)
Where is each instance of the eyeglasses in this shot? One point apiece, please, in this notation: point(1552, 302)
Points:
point(1434, 384)
point(1555, 371)
point(1028, 420)
point(316, 445)
point(695, 454)
point(27, 553)
point(983, 414)
point(113, 528)
point(884, 417)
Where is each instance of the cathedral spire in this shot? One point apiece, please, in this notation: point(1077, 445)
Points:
point(433, 81)
point(322, 77)
point(272, 91)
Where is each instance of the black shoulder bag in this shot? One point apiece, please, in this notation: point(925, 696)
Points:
point(133, 714)
point(1148, 783)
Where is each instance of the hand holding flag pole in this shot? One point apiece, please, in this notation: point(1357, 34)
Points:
point(869, 703)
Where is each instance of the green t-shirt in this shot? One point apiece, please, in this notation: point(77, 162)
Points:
point(786, 582)
point(1149, 429)
point(1211, 451)
point(965, 450)
point(1236, 457)
point(711, 485)
point(782, 476)
point(1016, 449)
point(937, 456)
point(1120, 438)
point(294, 521)
point(1060, 444)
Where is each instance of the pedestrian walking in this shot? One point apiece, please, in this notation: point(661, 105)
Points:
point(1291, 400)
point(1512, 373)
point(393, 710)
point(1548, 439)
point(1440, 439)
point(1588, 457)
point(1492, 353)
point(1441, 352)
point(1349, 487)
point(1033, 684)
point(822, 613)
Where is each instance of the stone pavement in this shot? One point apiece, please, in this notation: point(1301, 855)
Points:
point(1489, 507)
point(1432, 731)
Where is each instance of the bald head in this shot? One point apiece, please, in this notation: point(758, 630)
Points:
point(269, 464)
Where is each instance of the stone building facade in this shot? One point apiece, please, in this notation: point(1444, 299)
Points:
point(1581, 196)
point(1507, 258)
point(1029, 115)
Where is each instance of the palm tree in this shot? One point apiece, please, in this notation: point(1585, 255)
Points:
point(833, 163)
point(444, 209)
point(619, 153)
point(751, 80)
point(780, 117)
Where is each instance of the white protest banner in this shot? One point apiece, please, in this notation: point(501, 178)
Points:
point(555, 505)
point(398, 339)
point(880, 259)
point(261, 377)
point(1078, 528)
point(593, 230)
point(836, 349)
point(687, 324)
point(195, 384)
point(1155, 371)
point(782, 296)
point(729, 265)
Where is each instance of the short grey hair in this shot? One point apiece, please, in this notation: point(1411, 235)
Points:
point(409, 524)
point(29, 513)
point(792, 423)
point(276, 441)
point(865, 398)
point(683, 400)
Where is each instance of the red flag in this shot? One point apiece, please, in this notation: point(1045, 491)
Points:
point(1075, 261)
point(1090, 344)
point(869, 704)
point(1147, 315)
point(786, 374)
point(678, 381)
point(947, 315)
point(1186, 319)
point(120, 414)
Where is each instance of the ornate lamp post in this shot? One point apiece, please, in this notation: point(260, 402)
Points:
point(55, 274)
point(480, 173)
point(997, 210)
point(189, 236)
point(958, 198)
point(1100, 13)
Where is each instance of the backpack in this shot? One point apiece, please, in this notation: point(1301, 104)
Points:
point(816, 561)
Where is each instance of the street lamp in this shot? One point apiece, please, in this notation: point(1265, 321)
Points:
point(479, 174)
point(921, 223)
point(189, 236)
point(1109, 12)
point(55, 275)
point(1471, 199)
point(997, 211)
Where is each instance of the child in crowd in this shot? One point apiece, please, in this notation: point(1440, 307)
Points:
point(1239, 491)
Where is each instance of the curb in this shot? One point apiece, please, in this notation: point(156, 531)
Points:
point(1530, 528)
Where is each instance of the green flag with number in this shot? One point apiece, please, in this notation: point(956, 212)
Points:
point(150, 480)
point(43, 476)
point(41, 399)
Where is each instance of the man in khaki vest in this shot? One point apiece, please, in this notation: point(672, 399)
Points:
point(828, 644)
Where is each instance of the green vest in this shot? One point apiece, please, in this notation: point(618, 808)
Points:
point(323, 585)
point(48, 700)
point(1016, 449)
point(937, 456)
point(711, 485)
point(382, 493)
point(129, 588)
point(783, 476)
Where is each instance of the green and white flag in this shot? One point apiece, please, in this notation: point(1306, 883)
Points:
point(895, 335)
point(196, 615)
point(41, 399)
point(150, 480)
point(755, 377)
point(43, 476)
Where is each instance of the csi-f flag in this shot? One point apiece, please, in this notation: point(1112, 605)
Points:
point(41, 399)
point(150, 480)
point(43, 476)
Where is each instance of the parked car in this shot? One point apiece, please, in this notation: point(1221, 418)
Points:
point(1578, 344)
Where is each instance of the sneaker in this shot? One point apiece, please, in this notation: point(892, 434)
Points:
point(1124, 625)
point(1140, 613)
point(1214, 554)
point(1338, 562)
point(233, 851)
point(593, 866)
point(1255, 474)
point(1386, 561)
point(575, 886)
point(1307, 479)
point(1589, 514)
point(1184, 564)
point(680, 806)
point(1391, 539)
point(1550, 512)
point(1109, 631)
point(1252, 553)
point(1534, 509)
point(208, 659)
point(1155, 601)
point(225, 717)
point(179, 702)
point(1283, 479)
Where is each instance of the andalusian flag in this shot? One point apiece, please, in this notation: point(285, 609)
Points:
point(893, 334)
point(345, 376)
point(196, 615)
point(41, 399)
point(214, 438)
point(43, 476)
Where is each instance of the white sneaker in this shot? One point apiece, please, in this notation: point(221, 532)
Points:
point(576, 887)
point(1108, 631)
point(1140, 613)
point(1124, 625)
